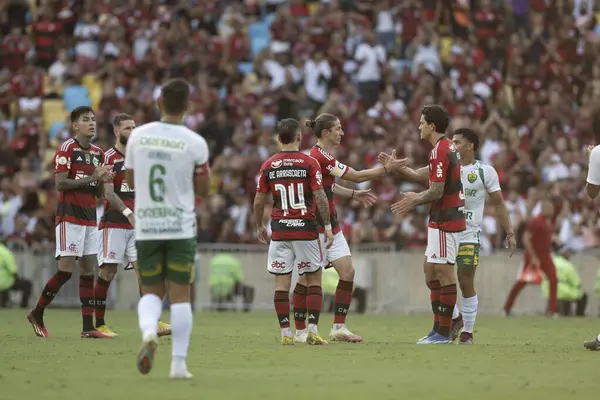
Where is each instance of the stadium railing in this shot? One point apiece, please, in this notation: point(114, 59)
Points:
point(393, 279)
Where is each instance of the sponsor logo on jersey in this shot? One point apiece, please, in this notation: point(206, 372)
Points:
point(293, 223)
point(276, 164)
point(472, 177)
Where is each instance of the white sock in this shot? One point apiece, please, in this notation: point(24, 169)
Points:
point(149, 310)
point(181, 329)
point(338, 326)
point(300, 331)
point(312, 328)
point(286, 332)
point(598, 338)
point(456, 312)
point(469, 312)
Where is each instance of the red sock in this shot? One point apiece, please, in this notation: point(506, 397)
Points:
point(100, 294)
point(299, 301)
point(282, 308)
point(52, 287)
point(86, 297)
point(314, 302)
point(447, 303)
point(434, 296)
point(343, 298)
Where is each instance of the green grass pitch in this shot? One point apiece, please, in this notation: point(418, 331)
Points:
point(238, 356)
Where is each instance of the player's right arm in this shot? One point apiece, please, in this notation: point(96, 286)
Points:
point(592, 186)
point(419, 175)
point(62, 167)
point(528, 241)
point(260, 201)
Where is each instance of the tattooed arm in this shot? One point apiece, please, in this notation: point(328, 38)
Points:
point(323, 206)
point(435, 192)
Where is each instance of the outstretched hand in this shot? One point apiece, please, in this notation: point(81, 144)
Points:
point(406, 203)
point(391, 163)
point(365, 197)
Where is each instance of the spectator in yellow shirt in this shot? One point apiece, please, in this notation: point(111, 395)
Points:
point(9, 281)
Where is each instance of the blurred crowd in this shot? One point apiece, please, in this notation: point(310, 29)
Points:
point(524, 73)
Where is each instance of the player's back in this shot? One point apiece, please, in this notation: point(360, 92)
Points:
point(112, 218)
point(164, 158)
point(447, 213)
point(291, 176)
point(77, 206)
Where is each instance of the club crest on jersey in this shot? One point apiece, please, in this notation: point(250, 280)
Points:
point(276, 164)
point(471, 177)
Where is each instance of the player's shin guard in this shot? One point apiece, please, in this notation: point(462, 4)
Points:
point(100, 295)
point(149, 310)
point(343, 298)
point(434, 296)
point(181, 330)
point(314, 302)
point(52, 287)
point(281, 301)
point(299, 301)
point(469, 312)
point(446, 307)
point(86, 297)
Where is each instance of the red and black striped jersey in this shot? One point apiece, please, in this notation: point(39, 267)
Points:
point(330, 169)
point(292, 177)
point(448, 213)
point(112, 218)
point(77, 206)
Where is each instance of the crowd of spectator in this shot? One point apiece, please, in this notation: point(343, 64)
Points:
point(524, 73)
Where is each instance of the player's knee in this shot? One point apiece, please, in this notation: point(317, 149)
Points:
point(179, 293)
point(344, 268)
point(445, 274)
point(303, 280)
point(314, 278)
point(466, 283)
point(108, 272)
point(284, 282)
point(66, 264)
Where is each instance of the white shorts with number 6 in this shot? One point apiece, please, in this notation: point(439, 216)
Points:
point(117, 246)
point(338, 249)
point(304, 255)
point(74, 240)
point(442, 247)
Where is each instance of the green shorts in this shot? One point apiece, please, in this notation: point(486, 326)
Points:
point(468, 256)
point(166, 260)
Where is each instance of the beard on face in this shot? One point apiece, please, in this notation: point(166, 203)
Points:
point(123, 140)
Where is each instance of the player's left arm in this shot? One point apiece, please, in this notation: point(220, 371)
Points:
point(492, 185)
point(260, 199)
point(343, 191)
point(438, 172)
point(129, 159)
point(592, 185)
point(202, 170)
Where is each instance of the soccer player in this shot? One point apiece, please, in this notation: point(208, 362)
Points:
point(329, 133)
point(296, 183)
point(446, 220)
point(167, 165)
point(117, 242)
point(479, 179)
point(537, 241)
point(78, 179)
point(593, 188)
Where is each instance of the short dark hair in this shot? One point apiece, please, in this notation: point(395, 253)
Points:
point(175, 96)
point(117, 119)
point(470, 135)
point(322, 122)
point(79, 111)
point(436, 115)
point(287, 129)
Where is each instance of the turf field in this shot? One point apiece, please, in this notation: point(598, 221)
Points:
point(238, 356)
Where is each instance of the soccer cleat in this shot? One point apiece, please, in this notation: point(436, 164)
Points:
point(94, 334)
point(38, 326)
point(436, 339)
point(301, 337)
point(287, 341)
point(344, 335)
point(106, 330)
point(315, 339)
point(466, 338)
point(593, 345)
point(457, 325)
point(183, 374)
point(146, 354)
point(164, 329)
point(430, 334)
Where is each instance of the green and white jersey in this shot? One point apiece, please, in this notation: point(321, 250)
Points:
point(478, 180)
point(164, 158)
